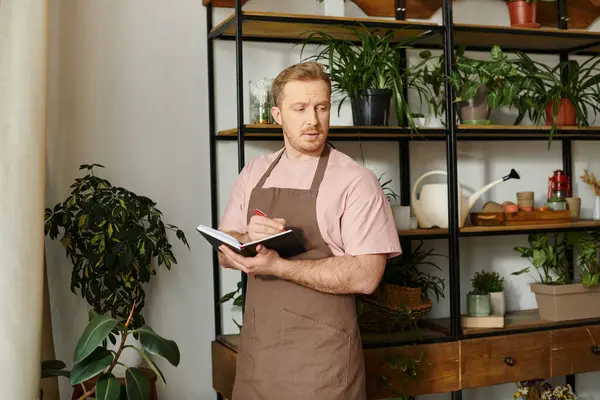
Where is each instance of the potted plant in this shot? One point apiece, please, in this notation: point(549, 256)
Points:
point(401, 213)
point(93, 363)
point(115, 240)
point(368, 74)
point(404, 293)
point(492, 283)
point(562, 95)
point(557, 296)
point(590, 179)
point(479, 303)
point(522, 13)
point(478, 85)
point(588, 247)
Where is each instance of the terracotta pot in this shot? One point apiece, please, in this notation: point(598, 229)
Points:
point(566, 302)
point(522, 13)
point(567, 115)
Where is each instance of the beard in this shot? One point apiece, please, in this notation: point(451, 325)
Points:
point(303, 143)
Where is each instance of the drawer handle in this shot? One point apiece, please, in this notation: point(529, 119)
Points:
point(596, 350)
point(511, 361)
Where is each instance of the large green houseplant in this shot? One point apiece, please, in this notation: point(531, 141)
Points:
point(365, 67)
point(478, 85)
point(112, 236)
point(93, 363)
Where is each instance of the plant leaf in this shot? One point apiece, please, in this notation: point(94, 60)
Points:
point(157, 345)
point(52, 368)
point(137, 384)
point(108, 388)
point(91, 366)
point(94, 334)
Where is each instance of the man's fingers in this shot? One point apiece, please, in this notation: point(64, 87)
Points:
point(233, 259)
point(276, 223)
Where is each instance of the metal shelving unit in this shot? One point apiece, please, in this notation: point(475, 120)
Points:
point(279, 28)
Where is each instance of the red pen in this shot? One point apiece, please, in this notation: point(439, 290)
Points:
point(262, 214)
point(258, 212)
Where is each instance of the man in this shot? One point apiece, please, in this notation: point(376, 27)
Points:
point(300, 337)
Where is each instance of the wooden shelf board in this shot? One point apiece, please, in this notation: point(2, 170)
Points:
point(297, 26)
point(274, 131)
point(474, 230)
point(526, 39)
point(294, 27)
point(525, 128)
point(513, 321)
point(475, 132)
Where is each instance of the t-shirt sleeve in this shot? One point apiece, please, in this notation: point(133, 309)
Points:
point(234, 217)
point(367, 223)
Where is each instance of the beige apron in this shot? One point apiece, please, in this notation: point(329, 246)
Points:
point(297, 343)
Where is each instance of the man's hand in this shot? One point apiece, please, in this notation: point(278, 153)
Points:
point(262, 227)
point(266, 262)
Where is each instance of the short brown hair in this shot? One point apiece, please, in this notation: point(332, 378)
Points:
point(306, 71)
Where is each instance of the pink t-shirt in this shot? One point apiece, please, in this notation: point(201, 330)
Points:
point(353, 213)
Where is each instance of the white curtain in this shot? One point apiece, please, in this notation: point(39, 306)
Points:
point(23, 44)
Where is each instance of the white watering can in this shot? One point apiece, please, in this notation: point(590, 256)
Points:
point(432, 207)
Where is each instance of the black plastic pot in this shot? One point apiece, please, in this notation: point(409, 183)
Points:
point(371, 107)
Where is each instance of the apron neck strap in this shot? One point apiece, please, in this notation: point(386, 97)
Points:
point(319, 173)
point(321, 167)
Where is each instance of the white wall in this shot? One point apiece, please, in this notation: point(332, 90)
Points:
point(128, 90)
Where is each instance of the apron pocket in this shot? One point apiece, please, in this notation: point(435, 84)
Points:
point(245, 358)
point(312, 352)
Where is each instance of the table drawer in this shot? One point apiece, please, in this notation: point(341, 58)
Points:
point(504, 359)
point(438, 371)
point(575, 350)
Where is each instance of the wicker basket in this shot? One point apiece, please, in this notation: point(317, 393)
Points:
point(385, 310)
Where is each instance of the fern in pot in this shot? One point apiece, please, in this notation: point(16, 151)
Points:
point(369, 74)
point(112, 237)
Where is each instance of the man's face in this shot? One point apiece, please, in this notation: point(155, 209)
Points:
point(304, 116)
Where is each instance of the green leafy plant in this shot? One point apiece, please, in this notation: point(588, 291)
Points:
point(548, 257)
point(93, 363)
point(111, 236)
point(498, 74)
point(487, 282)
point(587, 245)
point(542, 84)
point(403, 270)
point(370, 64)
point(237, 297)
point(389, 193)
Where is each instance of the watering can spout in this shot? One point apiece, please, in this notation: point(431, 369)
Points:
point(514, 174)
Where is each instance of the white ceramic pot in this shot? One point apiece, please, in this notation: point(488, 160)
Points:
point(334, 8)
point(596, 213)
point(401, 217)
point(129, 356)
point(498, 303)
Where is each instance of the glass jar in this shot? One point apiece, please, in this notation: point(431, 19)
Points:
point(261, 101)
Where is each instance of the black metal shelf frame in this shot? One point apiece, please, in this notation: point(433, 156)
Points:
point(453, 134)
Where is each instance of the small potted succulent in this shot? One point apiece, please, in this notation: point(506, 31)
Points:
point(479, 303)
point(492, 283)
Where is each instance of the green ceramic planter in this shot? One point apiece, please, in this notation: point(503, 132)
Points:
point(479, 305)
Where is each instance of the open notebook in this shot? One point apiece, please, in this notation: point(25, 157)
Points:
point(285, 243)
